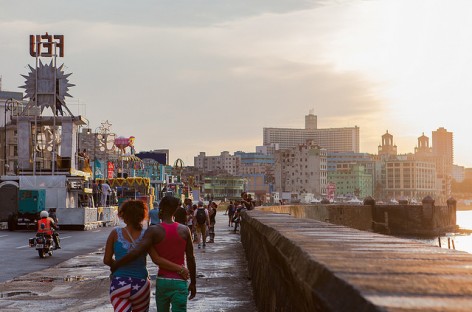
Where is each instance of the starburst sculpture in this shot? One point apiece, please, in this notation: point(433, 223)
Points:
point(105, 127)
point(42, 82)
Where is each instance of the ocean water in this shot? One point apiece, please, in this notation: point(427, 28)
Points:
point(462, 242)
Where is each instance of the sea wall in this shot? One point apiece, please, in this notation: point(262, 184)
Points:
point(354, 216)
point(307, 265)
point(414, 220)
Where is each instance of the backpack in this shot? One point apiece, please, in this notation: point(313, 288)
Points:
point(201, 216)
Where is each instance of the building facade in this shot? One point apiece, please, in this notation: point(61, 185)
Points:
point(408, 176)
point(225, 161)
point(351, 180)
point(458, 173)
point(223, 187)
point(410, 179)
point(332, 139)
point(302, 169)
point(11, 106)
point(443, 153)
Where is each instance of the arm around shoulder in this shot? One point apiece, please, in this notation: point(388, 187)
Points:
point(141, 248)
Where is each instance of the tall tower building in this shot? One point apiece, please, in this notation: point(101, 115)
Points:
point(443, 144)
point(311, 122)
point(443, 153)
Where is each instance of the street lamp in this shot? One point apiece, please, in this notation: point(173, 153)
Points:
point(9, 105)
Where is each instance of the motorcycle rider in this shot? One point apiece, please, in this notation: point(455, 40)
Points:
point(47, 226)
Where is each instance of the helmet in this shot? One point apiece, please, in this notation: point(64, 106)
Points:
point(44, 214)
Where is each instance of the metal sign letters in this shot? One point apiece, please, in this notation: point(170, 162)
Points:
point(42, 45)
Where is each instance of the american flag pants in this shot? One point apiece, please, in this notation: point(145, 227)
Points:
point(130, 294)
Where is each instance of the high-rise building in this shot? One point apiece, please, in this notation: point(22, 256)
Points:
point(332, 139)
point(443, 145)
point(302, 169)
point(311, 122)
point(443, 153)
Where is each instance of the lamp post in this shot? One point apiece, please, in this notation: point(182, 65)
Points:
point(9, 105)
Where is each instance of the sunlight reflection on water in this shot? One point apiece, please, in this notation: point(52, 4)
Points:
point(464, 219)
point(462, 242)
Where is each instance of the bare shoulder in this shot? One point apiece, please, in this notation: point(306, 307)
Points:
point(183, 231)
point(113, 235)
point(155, 230)
point(155, 233)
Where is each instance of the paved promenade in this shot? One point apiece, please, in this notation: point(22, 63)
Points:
point(81, 283)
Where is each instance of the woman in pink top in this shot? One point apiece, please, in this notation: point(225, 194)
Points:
point(173, 242)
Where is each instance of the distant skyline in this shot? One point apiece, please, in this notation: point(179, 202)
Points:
point(208, 75)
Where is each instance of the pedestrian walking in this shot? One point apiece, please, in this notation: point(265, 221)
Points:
point(190, 220)
point(237, 217)
point(95, 194)
point(180, 215)
point(231, 210)
point(201, 220)
point(154, 214)
point(99, 194)
point(129, 282)
point(106, 190)
point(212, 216)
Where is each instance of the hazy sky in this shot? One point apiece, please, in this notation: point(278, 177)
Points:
point(208, 75)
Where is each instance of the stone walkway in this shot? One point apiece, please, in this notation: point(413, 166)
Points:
point(81, 283)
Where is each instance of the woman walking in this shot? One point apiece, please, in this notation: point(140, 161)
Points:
point(130, 284)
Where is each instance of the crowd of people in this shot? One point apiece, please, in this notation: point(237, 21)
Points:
point(103, 193)
point(172, 229)
point(234, 209)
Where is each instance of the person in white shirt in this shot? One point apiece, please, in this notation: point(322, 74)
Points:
point(106, 190)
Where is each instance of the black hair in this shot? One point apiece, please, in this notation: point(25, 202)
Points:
point(134, 211)
point(169, 205)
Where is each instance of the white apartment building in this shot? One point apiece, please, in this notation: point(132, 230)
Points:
point(302, 169)
point(224, 161)
point(411, 178)
point(332, 139)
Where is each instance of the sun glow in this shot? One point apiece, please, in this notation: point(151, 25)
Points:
point(418, 55)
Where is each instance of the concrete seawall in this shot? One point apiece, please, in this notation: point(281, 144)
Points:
point(307, 265)
point(413, 220)
point(353, 216)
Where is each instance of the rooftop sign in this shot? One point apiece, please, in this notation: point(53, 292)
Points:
point(43, 45)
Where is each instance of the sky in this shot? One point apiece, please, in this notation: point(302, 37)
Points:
point(208, 75)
